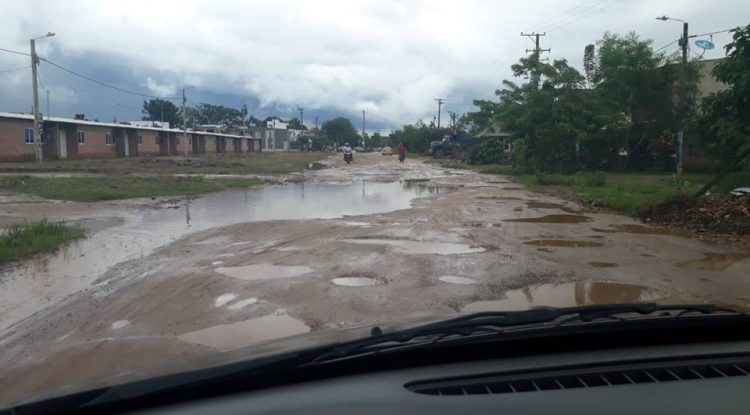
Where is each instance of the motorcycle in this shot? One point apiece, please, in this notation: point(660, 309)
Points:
point(348, 157)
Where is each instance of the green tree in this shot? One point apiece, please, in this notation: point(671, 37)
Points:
point(296, 124)
point(725, 120)
point(160, 110)
point(219, 114)
point(340, 130)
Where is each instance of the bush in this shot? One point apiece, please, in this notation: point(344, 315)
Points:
point(522, 164)
point(545, 179)
point(490, 151)
point(598, 179)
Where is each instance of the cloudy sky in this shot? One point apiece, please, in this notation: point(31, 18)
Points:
point(333, 58)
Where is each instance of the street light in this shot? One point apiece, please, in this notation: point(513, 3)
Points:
point(184, 119)
point(683, 42)
point(37, 127)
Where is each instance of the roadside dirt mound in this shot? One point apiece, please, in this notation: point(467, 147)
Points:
point(725, 214)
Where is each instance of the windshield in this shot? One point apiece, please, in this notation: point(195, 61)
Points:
point(184, 184)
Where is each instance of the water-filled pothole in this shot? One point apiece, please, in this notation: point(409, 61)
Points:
point(566, 295)
point(452, 279)
point(234, 335)
point(601, 264)
point(356, 282)
point(419, 247)
point(561, 243)
point(553, 219)
point(256, 272)
point(534, 204)
point(715, 261)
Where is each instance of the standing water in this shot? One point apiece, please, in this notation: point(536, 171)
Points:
point(36, 284)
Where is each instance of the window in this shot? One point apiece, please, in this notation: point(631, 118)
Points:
point(157, 140)
point(140, 139)
point(29, 135)
point(109, 139)
point(81, 137)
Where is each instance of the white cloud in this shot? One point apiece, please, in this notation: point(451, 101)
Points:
point(389, 57)
point(160, 90)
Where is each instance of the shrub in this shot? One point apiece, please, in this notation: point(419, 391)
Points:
point(598, 179)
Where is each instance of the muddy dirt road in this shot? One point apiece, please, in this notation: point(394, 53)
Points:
point(349, 245)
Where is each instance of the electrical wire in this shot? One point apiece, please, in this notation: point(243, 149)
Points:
point(15, 69)
point(15, 51)
point(104, 84)
point(589, 11)
point(667, 45)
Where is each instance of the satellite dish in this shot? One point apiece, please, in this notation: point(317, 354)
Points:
point(704, 44)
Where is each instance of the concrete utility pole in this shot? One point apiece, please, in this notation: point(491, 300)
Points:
point(363, 128)
point(316, 123)
point(682, 105)
point(184, 122)
point(535, 53)
point(440, 102)
point(301, 117)
point(37, 125)
point(48, 114)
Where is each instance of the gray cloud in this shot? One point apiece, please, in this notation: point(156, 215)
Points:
point(391, 58)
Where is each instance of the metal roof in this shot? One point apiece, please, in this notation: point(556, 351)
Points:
point(30, 117)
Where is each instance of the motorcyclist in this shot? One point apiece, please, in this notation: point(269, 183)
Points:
point(401, 152)
point(348, 155)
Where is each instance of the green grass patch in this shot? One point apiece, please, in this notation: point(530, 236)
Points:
point(628, 192)
point(256, 163)
point(27, 239)
point(493, 168)
point(92, 189)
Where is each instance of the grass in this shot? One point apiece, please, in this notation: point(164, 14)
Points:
point(493, 168)
point(256, 163)
point(92, 189)
point(629, 192)
point(31, 238)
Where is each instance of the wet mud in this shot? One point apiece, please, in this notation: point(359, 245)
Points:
point(562, 243)
point(715, 261)
point(553, 219)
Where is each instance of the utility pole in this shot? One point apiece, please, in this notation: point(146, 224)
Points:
point(535, 54)
point(301, 117)
point(316, 122)
point(37, 126)
point(184, 122)
point(440, 102)
point(363, 128)
point(682, 105)
point(48, 114)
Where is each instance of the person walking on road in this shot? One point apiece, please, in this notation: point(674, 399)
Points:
point(401, 152)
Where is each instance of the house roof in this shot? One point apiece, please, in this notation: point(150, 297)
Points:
point(30, 117)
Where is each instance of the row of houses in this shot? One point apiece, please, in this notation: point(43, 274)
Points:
point(72, 137)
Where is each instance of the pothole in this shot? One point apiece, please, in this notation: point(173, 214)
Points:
point(561, 243)
point(120, 324)
point(451, 279)
point(242, 304)
point(358, 224)
point(566, 295)
point(356, 282)
point(234, 335)
point(418, 247)
point(546, 205)
point(600, 264)
point(256, 272)
point(553, 219)
point(715, 261)
point(223, 299)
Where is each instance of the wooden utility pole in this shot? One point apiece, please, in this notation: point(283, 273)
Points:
point(440, 102)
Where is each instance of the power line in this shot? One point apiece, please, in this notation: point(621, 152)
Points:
point(15, 51)
point(667, 45)
point(584, 13)
point(104, 84)
point(718, 31)
point(15, 69)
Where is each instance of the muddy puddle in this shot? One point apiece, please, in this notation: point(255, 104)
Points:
point(419, 247)
point(562, 243)
point(553, 219)
point(356, 282)
point(452, 279)
point(601, 264)
point(643, 230)
point(241, 333)
point(255, 272)
point(142, 231)
point(566, 295)
point(546, 205)
point(715, 261)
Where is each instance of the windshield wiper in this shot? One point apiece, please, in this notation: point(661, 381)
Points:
point(494, 322)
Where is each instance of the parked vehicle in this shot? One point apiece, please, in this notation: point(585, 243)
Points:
point(447, 146)
point(386, 151)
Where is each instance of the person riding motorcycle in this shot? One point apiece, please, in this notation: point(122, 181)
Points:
point(401, 152)
point(348, 156)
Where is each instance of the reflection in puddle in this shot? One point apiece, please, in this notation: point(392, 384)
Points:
point(120, 324)
point(546, 205)
point(287, 249)
point(233, 335)
point(715, 261)
point(255, 272)
point(356, 282)
point(566, 295)
point(359, 224)
point(142, 231)
point(561, 243)
point(598, 264)
point(553, 219)
point(221, 300)
point(242, 304)
point(417, 247)
point(643, 230)
point(450, 279)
